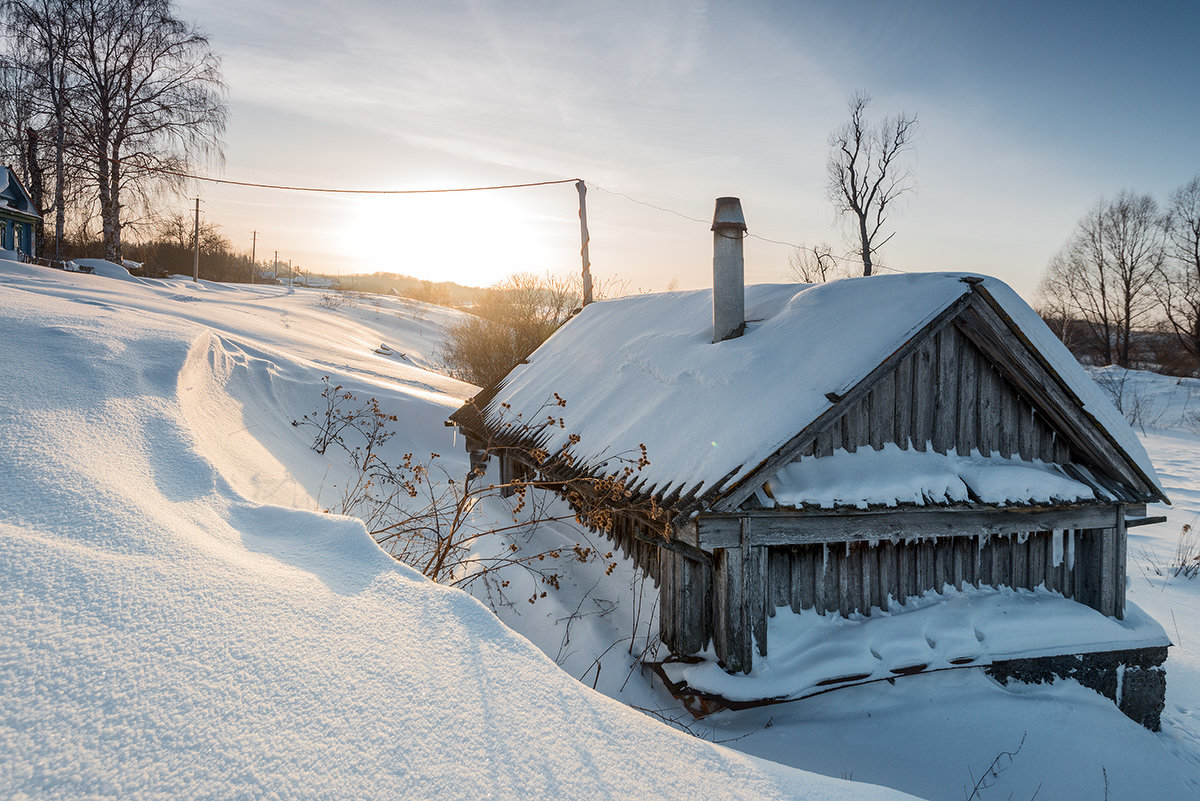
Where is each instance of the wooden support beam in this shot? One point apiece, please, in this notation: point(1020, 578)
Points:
point(794, 528)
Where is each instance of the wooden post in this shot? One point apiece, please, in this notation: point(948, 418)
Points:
point(1120, 555)
point(196, 246)
point(584, 239)
point(253, 253)
point(740, 603)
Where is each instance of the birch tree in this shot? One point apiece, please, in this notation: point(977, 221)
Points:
point(149, 102)
point(868, 173)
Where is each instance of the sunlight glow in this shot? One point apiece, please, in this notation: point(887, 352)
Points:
point(474, 238)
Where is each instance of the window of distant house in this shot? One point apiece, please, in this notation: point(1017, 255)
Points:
point(4, 235)
point(16, 236)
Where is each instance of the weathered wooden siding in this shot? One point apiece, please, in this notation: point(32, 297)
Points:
point(949, 394)
point(1084, 564)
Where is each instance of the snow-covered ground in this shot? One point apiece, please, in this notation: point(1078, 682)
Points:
point(178, 618)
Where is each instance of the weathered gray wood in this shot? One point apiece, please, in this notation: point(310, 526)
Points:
point(925, 566)
point(904, 402)
point(924, 393)
point(803, 578)
point(906, 570)
point(1066, 577)
point(1027, 433)
point(962, 561)
point(691, 583)
point(1036, 556)
point(667, 598)
point(943, 564)
point(988, 411)
point(755, 560)
point(825, 442)
point(883, 411)
point(1121, 546)
point(1106, 557)
point(889, 585)
point(1003, 564)
point(1087, 589)
point(986, 326)
point(968, 395)
point(1020, 562)
point(987, 560)
point(832, 569)
point(791, 528)
point(779, 578)
point(731, 635)
point(849, 579)
point(746, 487)
point(870, 578)
point(1062, 449)
point(945, 428)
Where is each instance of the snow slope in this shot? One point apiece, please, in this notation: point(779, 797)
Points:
point(177, 622)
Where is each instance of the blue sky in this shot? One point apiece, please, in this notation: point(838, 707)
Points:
point(1029, 113)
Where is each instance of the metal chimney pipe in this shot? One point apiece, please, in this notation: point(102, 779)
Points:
point(729, 285)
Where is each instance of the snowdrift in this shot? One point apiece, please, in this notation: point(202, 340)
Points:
point(172, 629)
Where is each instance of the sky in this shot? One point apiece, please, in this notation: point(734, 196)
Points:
point(1029, 113)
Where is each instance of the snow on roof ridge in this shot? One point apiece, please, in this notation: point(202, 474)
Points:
point(643, 369)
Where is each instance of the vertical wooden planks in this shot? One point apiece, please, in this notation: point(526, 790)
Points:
point(666, 603)
point(1026, 432)
point(882, 419)
point(1106, 567)
point(945, 428)
point(870, 578)
point(692, 591)
point(756, 596)
point(924, 393)
point(1120, 556)
point(1037, 558)
point(1020, 561)
point(825, 439)
point(833, 563)
point(968, 395)
point(779, 578)
point(904, 402)
point(849, 578)
point(888, 580)
point(988, 408)
point(1007, 431)
point(943, 561)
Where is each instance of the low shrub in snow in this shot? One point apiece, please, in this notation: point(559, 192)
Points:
point(423, 515)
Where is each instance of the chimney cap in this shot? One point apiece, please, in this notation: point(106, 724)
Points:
point(728, 215)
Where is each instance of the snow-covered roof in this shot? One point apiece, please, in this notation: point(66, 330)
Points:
point(13, 196)
point(643, 370)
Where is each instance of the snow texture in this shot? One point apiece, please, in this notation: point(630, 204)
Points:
point(894, 476)
point(178, 621)
point(709, 413)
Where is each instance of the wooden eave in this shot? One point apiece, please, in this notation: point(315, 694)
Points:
point(981, 319)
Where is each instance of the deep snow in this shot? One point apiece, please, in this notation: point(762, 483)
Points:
point(176, 619)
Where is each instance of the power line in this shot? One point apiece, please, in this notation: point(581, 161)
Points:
point(748, 234)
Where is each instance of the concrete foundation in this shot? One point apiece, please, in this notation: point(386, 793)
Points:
point(1135, 680)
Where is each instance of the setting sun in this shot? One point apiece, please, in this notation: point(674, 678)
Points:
point(474, 238)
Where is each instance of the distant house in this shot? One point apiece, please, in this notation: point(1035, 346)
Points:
point(19, 217)
point(852, 447)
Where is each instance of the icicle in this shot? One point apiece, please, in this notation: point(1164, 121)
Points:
point(1056, 537)
point(1071, 550)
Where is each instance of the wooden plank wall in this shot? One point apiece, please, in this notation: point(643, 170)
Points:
point(855, 577)
point(950, 394)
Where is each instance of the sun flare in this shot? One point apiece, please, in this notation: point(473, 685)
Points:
point(474, 238)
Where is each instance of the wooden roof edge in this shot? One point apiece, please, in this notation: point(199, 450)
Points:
point(730, 499)
point(980, 290)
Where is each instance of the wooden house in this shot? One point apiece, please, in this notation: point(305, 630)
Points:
point(19, 217)
point(843, 448)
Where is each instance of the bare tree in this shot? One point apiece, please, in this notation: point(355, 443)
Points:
point(867, 172)
point(814, 264)
point(1178, 284)
point(1103, 276)
point(45, 34)
point(149, 101)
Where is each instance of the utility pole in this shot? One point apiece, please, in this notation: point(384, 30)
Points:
point(196, 246)
point(584, 238)
point(253, 252)
point(291, 277)
point(277, 266)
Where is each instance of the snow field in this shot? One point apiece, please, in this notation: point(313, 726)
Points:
point(176, 620)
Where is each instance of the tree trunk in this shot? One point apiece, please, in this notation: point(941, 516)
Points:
point(866, 244)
